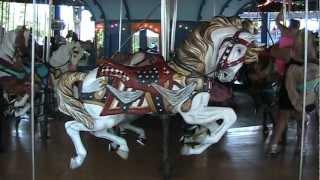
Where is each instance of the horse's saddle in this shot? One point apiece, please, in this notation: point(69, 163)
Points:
point(130, 89)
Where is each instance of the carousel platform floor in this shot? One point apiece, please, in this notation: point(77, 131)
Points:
point(240, 155)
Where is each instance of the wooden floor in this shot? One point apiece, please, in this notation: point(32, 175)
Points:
point(240, 155)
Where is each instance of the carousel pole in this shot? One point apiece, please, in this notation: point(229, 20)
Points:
point(24, 13)
point(165, 26)
point(306, 17)
point(49, 31)
point(13, 12)
point(32, 92)
point(318, 92)
point(174, 25)
point(284, 7)
point(8, 15)
point(2, 8)
point(45, 39)
point(120, 25)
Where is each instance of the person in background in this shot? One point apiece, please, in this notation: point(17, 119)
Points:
point(286, 44)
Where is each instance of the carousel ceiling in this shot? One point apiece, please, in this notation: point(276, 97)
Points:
point(293, 5)
point(65, 2)
point(188, 10)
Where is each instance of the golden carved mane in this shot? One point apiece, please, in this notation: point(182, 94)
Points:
point(191, 55)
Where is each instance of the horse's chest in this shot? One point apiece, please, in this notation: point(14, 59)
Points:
point(129, 90)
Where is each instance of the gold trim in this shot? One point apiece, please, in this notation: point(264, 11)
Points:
point(150, 102)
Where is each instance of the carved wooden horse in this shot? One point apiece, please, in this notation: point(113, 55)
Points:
point(216, 49)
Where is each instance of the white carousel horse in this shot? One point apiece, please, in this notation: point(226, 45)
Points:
point(216, 49)
point(12, 73)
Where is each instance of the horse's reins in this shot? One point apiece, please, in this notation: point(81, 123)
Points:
point(223, 62)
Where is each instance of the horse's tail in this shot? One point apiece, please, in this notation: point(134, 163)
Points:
point(68, 104)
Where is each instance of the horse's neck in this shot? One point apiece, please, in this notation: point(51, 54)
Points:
point(217, 37)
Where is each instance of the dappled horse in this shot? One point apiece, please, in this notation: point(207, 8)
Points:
point(216, 49)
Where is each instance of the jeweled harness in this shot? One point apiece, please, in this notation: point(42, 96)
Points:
point(125, 78)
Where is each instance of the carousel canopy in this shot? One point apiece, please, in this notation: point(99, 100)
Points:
point(188, 10)
point(64, 2)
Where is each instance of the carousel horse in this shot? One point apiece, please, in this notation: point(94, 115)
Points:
point(295, 76)
point(87, 46)
point(13, 72)
point(65, 58)
point(138, 59)
point(216, 49)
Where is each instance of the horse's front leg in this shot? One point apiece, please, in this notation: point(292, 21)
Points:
point(122, 148)
point(73, 129)
point(128, 126)
point(21, 102)
point(21, 106)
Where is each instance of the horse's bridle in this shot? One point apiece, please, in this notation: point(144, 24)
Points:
point(235, 39)
point(223, 61)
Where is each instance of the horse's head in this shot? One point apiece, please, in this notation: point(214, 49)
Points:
point(67, 57)
point(233, 53)
point(15, 43)
point(217, 48)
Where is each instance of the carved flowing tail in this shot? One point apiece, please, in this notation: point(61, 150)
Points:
point(70, 105)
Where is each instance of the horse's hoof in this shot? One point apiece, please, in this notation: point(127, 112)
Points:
point(186, 140)
point(182, 139)
point(275, 149)
point(141, 141)
point(188, 150)
point(113, 147)
point(76, 162)
point(123, 154)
